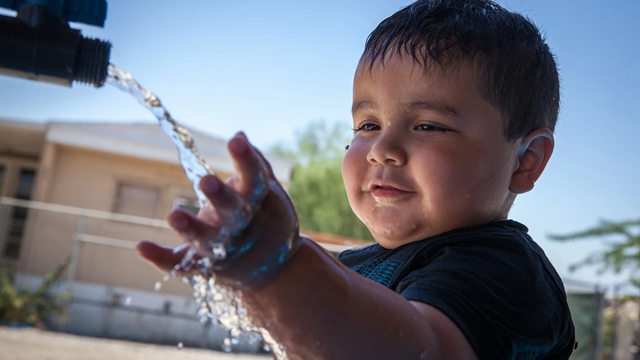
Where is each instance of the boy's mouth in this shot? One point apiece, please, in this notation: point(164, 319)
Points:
point(384, 189)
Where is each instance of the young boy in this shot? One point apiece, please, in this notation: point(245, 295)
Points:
point(453, 111)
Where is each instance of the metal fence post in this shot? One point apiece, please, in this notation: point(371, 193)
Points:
point(613, 327)
point(73, 264)
point(599, 322)
point(75, 252)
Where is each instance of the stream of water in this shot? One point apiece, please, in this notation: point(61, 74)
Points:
point(217, 304)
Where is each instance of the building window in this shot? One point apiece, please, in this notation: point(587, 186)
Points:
point(18, 221)
point(190, 204)
point(25, 184)
point(136, 200)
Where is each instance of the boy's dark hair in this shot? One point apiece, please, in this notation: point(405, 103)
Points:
point(518, 72)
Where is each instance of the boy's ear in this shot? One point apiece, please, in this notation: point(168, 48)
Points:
point(533, 154)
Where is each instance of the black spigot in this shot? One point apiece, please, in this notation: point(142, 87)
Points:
point(39, 46)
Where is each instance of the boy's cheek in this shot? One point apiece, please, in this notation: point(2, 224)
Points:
point(349, 162)
point(351, 181)
point(353, 177)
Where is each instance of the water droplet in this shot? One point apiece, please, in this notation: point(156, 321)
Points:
point(165, 278)
point(180, 345)
point(219, 252)
point(205, 264)
point(157, 286)
point(266, 348)
point(235, 341)
point(127, 301)
point(235, 332)
point(174, 271)
point(226, 345)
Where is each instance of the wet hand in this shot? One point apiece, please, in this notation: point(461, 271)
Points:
point(251, 214)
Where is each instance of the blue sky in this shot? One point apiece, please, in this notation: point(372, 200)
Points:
point(269, 68)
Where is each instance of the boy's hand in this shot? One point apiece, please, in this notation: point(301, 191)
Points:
point(250, 210)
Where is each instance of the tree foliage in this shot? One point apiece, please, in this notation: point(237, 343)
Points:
point(316, 186)
point(622, 247)
point(315, 142)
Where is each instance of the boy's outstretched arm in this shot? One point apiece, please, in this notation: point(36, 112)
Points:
point(314, 306)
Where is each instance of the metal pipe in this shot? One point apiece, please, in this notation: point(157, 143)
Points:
point(75, 253)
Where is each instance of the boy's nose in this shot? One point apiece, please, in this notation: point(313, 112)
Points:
point(388, 149)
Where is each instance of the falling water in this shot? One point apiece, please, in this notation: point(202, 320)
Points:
point(217, 304)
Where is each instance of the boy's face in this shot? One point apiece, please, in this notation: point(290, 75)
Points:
point(428, 154)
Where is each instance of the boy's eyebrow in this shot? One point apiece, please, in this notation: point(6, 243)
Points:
point(362, 105)
point(434, 106)
point(413, 106)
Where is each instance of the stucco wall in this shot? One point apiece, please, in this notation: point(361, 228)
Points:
point(88, 179)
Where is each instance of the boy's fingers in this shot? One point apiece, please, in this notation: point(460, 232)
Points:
point(252, 174)
point(201, 235)
point(266, 166)
point(229, 206)
point(164, 258)
point(208, 215)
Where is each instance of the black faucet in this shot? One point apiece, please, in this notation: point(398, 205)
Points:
point(38, 43)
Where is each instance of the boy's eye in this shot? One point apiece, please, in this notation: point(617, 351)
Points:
point(428, 127)
point(367, 127)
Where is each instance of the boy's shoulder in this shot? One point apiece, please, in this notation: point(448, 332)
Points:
point(492, 249)
point(472, 249)
point(487, 279)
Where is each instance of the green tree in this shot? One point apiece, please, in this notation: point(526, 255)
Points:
point(621, 252)
point(315, 142)
point(316, 186)
point(621, 247)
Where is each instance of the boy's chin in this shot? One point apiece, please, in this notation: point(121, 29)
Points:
point(392, 238)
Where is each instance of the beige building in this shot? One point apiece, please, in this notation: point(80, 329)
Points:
point(91, 191)
point(128, 169)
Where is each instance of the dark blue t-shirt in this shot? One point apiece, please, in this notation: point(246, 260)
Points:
point(493, 281)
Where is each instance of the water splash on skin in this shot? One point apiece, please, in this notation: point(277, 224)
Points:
point(217, 304)
point(380, 202)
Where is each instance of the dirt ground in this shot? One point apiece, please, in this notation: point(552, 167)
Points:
point(28, 343)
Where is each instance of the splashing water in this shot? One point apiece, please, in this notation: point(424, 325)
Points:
point(217, 304)
point(193, 164)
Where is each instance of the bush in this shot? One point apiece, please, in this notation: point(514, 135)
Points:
point(32, 307)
